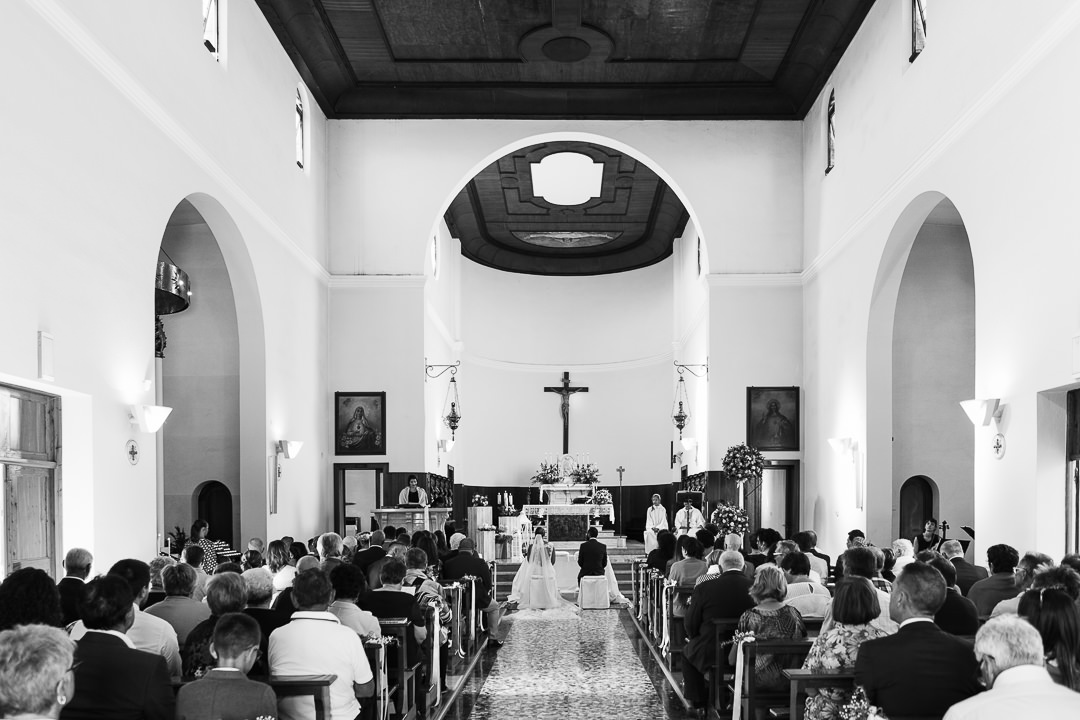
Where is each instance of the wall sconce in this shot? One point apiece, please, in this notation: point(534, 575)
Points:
point(981, 411)
point(289, 449)
point(148, 418)
point(446, 444)
point(848, 448)
point(843, 446)
point(684, 446)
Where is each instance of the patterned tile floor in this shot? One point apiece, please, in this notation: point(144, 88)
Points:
point(589, 666)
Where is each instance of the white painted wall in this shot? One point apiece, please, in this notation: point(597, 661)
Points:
point(933, 370)
point(979, 118)
point(119, 113)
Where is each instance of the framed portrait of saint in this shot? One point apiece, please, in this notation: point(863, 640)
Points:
point(360, 423)
point(772, 418)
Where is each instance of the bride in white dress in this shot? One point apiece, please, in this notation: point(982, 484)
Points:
point(535, 586)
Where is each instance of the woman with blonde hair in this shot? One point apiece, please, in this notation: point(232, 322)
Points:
point(35, 672)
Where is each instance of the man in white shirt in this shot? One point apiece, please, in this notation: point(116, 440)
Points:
point(1010, 655)
point(688, 520)
point(655, 521)
point(316, 643)
point(147, 632)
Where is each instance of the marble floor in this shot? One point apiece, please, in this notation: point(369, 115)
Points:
point(586, 665)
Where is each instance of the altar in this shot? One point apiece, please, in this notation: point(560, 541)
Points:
point(569, 522)
point(563, 493)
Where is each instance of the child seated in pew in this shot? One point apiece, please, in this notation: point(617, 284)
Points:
point(225, 692)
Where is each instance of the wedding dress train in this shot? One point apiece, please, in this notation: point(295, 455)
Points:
point(535, 586)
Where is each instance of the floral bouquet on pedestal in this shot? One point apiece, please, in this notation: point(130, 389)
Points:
point(730, 519)
point(601, 497)
point(479, 500)
point(585, 473)
point(548, 474)
point(744, 464)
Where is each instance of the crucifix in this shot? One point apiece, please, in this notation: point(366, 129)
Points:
point(620, 470)
point(566, 391)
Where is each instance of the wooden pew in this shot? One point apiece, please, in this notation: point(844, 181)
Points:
point(376, 655)
point(801, 679)
point(723, 629)
point(755, 698)
point(318, 686)
point(401, 673)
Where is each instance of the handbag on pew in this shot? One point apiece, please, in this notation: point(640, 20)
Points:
point(859, 708)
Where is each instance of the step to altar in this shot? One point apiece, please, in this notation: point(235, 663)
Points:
point(608, 537)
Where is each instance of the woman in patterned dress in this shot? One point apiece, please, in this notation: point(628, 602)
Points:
point(770, 619)
point(199, 530)
point(854, 605)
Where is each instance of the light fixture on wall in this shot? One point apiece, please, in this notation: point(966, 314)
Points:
point(982, 411)
point(148, 418)
point(172, 294)
point(680, 407)
point(843, 446)
point(289, 449)
point(451, 414)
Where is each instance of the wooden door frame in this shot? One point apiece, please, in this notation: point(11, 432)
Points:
point(339, 488)
point(793, 500)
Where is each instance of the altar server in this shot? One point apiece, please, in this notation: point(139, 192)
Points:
point(688, 520)
point(655, 521)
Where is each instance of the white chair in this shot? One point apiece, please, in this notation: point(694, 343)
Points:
point(593, 593)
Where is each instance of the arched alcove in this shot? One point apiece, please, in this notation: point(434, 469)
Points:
point(920, 365)
point(213, 502)
point(213, 374)
point(916, 505)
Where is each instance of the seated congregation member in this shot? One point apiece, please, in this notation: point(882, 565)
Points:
point(467, 562)
point(193, 555)
point(348, 547)
point(284, 602)
point(903, 553)
point(259, 588)
point(921, 670)
point(762, 544)
point(966, 573)
point(349, 586)
point(35, 671)
point(178, 608)
point(1054, 613)
point(725, 597)
point(818, 563)
point(770, 619)
point(224, 692)
point(77, 565)
point(147, 632)
point(665, 550)
point(854, 607)
point(112, 679)
point(395, 551)
point(315, 643)
point(678, 556)
point(957, 615)
point(1010, 653)
point(429, 595)
point(157, 584)
point(330, 546)
point(686, 572)
point(1030, 564)
point(390, 601)
point(369, 549)
point(29, 596)
point(855, 538)
point(787, 547)
point(810, 598)
point(257, 544)
point(225, 593)
point(710, 549)
point(999, 586)
point(425, 541)
point(251, 559)
point(879, 565)
point(277, 561)
point(859, 562)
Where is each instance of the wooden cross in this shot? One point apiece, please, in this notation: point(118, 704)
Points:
point(566, 391)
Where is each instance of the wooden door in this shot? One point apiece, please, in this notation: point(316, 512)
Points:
point(774, 503)
point(29, 518)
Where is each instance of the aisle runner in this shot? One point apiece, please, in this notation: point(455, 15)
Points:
point(567, 669)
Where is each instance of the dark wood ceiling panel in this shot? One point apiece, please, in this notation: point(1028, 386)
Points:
point(672, 59)
point(503, 224)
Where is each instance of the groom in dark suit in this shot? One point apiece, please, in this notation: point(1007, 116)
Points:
point(592, 555)
point(921, 670)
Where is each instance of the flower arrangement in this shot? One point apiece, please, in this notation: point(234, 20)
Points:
point(744, 463)
point(479, 500)
point(548, 474)
point(730, 519)
point(859, 708)
point(585, 473)
point(601, 497)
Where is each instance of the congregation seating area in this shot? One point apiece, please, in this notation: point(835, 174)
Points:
point(412, 663)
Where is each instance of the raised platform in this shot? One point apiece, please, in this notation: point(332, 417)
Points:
point(608, 537)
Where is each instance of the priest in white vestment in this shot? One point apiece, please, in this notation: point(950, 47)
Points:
point(688, 520)
point(655, 521)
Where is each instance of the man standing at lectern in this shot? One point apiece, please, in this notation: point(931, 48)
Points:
point(413, 495)
point(689, 519)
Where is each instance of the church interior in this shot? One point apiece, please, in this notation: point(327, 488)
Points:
point(337, 215)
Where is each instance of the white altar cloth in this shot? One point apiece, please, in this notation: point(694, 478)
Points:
point(553, 509)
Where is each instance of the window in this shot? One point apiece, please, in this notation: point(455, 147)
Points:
point(299, 130)
point(211, 38)
point(830, 162)
point(918, 28)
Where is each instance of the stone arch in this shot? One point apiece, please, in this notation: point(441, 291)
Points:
point(212, 501)
point(927, 252)
point(918, 502)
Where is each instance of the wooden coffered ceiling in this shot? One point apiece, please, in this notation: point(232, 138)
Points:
point(502, 223)
point(573, 59)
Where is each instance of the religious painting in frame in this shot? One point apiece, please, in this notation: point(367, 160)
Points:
point(359, 423)
point(772, 418)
